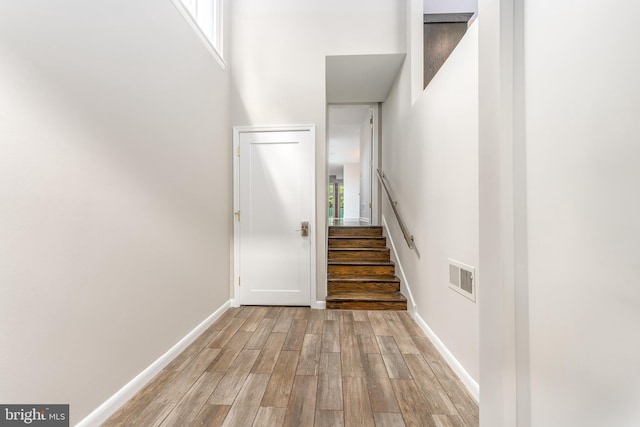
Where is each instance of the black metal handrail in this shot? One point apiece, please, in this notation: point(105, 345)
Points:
point(394, 205)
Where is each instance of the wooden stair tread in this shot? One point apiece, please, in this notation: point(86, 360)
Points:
point(358, 279)
point(361, 275)
point(354, 262)
point(367, 296)
point(357, 237)
point(358, 249)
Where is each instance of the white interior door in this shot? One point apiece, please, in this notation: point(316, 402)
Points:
point(275, 199)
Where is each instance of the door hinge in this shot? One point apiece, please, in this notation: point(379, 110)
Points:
point(238, 151)
point(239, 281)
point(237, 215)
point(370, 205)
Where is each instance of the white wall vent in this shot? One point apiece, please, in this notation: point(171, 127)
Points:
point(462, 279)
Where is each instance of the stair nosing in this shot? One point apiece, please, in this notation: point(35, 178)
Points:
point(388, 278)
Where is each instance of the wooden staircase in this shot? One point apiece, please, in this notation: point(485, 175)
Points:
point(360, 273)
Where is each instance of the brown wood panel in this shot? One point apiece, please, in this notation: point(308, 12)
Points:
point(346, 324)
point(279, 388)
point(269, 417)
point(388, 419)
point(462, 400)
point(227, 333)
point(233, 380)
point(310, 355)
point(331, 337)
point(358, 231)
point(245, 407)
point(374, 366)
point(344, 284)
point(351, 357)
point(365, 378)
point(329, 418)
point(360, 316)
point(260, 335)
point(330, 382)
point(412, 327)
point(192, 350)
point(368, 344)
point(402, 337)
point(357, 408)
point(187, 377)
point(283, 324)
point(301, 407)
point(438, 401)
point(379, 324)
point(228, 354)
point(448, 421)
point(381, 395)
point(192, 402)
point(226, 317)
point(358, 254)
point(357, 242)
point(335, 268)
point(269, 354)
point(252, 322)
point(273, 312)
point(295, 335)
point(315, 322)
point(211, 416)
point(393, 360)
point(130, 411)
point(412, 404)
point(153, 414)
point(366, 301)
point(363, 327)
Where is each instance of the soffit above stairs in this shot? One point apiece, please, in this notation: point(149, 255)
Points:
point(361, 78)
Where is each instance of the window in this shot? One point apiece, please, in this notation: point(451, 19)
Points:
point(205, 17)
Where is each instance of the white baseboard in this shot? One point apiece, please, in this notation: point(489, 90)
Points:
point(320, 305)
point(457, 367)
point(467, 380)
point(111, 405)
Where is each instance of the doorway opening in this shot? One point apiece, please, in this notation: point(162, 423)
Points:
point(352, 196)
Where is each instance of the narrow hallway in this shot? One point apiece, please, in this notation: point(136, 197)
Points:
point(294, 366)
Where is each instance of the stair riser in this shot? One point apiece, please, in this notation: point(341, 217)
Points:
point(366, 305)
point(355, 231)
point(357, 243)
point(386, 287)
point(361, 270)
point(364, 255)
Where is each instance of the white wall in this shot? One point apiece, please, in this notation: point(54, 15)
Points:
point(115, 194)
point(583, 213)
point(559, 215)
point(450, 6)
point(352, 191)
point(278, 67)
point(430, 157)
point(365, 170)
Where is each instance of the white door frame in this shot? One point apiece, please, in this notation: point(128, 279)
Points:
point(375, 151)
point(237, 130)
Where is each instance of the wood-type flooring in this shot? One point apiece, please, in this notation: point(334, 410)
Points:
point(294, 366)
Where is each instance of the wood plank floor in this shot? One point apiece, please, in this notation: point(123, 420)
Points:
point(294, 366)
